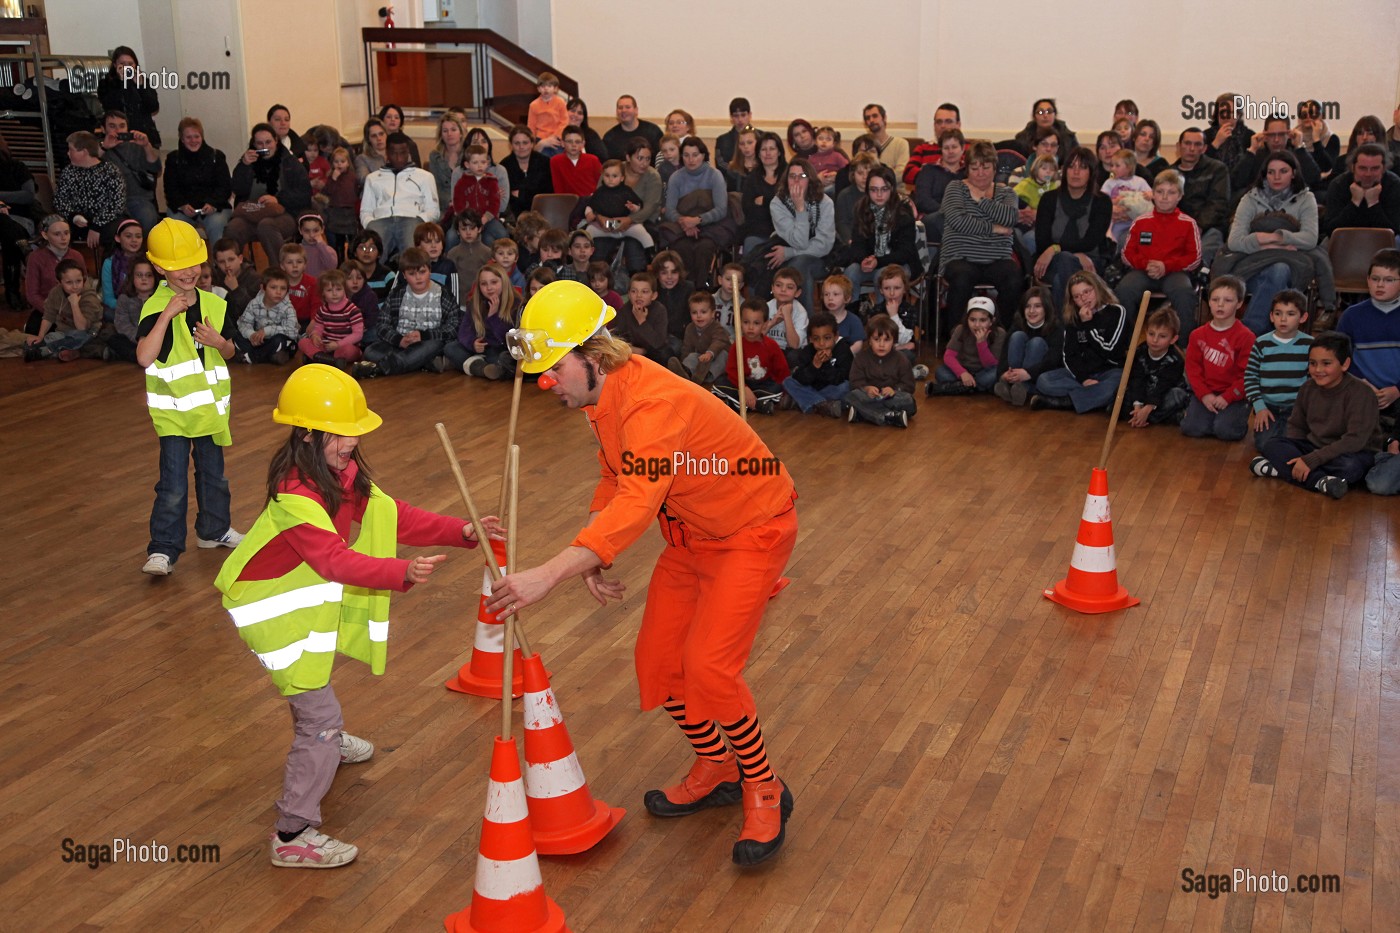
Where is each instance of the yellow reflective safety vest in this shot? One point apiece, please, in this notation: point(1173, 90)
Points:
point(296, 623)
point(188, 392)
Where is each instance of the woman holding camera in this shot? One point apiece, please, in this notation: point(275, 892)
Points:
point(197, 183)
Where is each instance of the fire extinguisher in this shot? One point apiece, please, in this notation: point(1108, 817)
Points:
point(387, 14)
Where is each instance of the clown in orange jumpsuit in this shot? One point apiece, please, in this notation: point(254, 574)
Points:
point(673, 452)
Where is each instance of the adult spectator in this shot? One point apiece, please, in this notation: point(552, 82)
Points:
point(270, 189)
point(1227, 139)
point(639, 175)
point(1276, 137)
point(17, 205)
point(527, 171)
point(1071, 226)
point(884, 232)
point(1126, 109)
point(979, 217)
point(197, 182)
point(1105, 146)
point(1046, 113)
point(445, 164)
point(391, 115)
point(1392, 135)
point(1368, 129)
point(801, 139)
point(934, 179)
point(280, 119)
point(892, 150)
point(629, 125)
point(91, 192)
point(139, 161)
point(398, 198)
point(1206, 195)
point(1317, 138)
point(1366, 196)
point(592, 142)
point(862, 164)
point(477, 136)
point(680, 124)
point(373, 154)
point(1274, 228)
point(697, 211)
point(804, 229)
point(118, 89)
point(574, 171)
point(946, 117)
point(1147, 142)
point(740, 119)
point(758, 189)
point(745, 158)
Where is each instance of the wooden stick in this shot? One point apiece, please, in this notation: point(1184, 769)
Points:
point(475, 516)
point(510, 437)
point(511, 478)
point(738, 345)
point(1123, 382)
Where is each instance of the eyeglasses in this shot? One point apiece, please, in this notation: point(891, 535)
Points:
point(796, 175)
point(874, 189)
point(1043, 112)
point(366, 248)
point(1382, 279)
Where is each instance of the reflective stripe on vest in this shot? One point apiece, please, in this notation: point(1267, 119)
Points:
point(188, 393)
point(296, 623)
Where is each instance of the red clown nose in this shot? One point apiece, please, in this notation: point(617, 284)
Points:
point(547, 382)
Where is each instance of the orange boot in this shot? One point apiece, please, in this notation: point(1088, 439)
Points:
point(710, 783)
point(767, 806)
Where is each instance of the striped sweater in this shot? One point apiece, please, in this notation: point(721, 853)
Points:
point(343, 324)
point(1275, 371)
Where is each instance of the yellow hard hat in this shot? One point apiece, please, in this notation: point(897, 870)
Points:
point(173, 244)
point(323, 398)
point(561, 316)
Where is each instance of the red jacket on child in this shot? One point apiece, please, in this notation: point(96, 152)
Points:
point(482, 195)
point(1172, 239)
point(1215, 360)
point(764, 360)
point(304, 298)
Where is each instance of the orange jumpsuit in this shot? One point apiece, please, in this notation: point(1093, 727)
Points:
point(672, 450)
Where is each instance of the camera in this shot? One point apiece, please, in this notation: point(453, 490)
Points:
point(198, 212)
point(610, 225)
point(262, 151)
point(126, 137)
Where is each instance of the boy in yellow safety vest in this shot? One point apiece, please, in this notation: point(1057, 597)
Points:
point(182, 341)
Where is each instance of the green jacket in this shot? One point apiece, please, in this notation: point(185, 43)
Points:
point(188, 393)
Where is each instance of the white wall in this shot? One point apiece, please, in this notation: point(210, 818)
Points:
point(830, 60)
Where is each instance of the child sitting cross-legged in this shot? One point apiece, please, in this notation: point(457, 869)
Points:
point(822, 376)
point(704, 351)
point(336, 330)
point(492, 310)
point(414, 325)
point(1334, 430)
point(1216, 355)
point(1093, 352)
point(267, 328)
point(72, 315)
point(1033, 343)
point(642, 320)
point(882, 381)
point(764, 364)
point(970, 361)
point(1157, 390)
point(1277, 367)
point(892, 299)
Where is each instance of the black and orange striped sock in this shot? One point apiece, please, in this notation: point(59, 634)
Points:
point(704, 736)
point(746, 738)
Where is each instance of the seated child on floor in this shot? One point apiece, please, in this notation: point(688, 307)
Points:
point(882, 381)
point(1157, 390)
point(765, 367)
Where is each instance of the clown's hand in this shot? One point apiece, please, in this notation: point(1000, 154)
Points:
point(602, 588)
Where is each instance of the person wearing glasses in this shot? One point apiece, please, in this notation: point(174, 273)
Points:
point(1374, 330)
point(728, 535)
point(1317, 137)
point(1277, 136)
point(804, 228)
point(884, 232)
point(741, 118)
point(1045, 114)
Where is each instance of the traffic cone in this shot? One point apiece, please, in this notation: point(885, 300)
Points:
point(563, 814)
point(778, 587)
point(509, 894)
point(481, 675)
point(1092, 582)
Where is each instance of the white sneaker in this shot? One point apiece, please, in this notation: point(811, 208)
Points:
point(157, 565)
point(920, 371)
point(312, 849)
point(354, 750)
point(230, 538)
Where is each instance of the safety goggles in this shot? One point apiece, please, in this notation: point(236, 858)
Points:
point(534, 345)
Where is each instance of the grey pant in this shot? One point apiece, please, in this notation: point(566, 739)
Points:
point(312, 760)
point(874, 409)
point(715, 366)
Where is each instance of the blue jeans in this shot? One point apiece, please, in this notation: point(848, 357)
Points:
point(1229, 425)
point(67, 340)
point(392, 360)
point(212, 225)
point(1383, 479)
point(457, 356)
point(1176, 286)
point(808, 397)
point(1062, 384)
point(1274, 430)
point(859, 278)
point(396, 232)
point(493, 231)
point(1352, 467)
point(145, 212)
point(984, 379)
point(1024, 351)
point(1062, 266)
point(1262, 287)
point(172, 494)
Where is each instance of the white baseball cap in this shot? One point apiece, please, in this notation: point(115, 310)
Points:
point(982, 304)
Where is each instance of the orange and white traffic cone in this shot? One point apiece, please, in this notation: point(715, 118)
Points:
point(481, 675)
point(509, 893)
point(563, 814)
point(1092, 582)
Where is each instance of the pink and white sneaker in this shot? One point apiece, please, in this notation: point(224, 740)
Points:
point(312, 849)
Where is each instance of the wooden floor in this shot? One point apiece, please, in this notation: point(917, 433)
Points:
point(965, 754)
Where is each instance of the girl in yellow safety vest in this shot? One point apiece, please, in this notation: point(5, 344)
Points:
point(299, 591)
